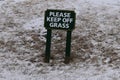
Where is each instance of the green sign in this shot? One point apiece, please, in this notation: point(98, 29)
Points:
point(59, 19)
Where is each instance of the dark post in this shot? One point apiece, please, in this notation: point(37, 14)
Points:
point(68, 47)
point(48, 45)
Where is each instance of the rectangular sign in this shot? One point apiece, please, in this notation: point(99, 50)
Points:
point(59, 19)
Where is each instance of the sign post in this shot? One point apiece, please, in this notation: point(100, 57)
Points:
point(48, 46)
point(68, 47)
point(60, 20)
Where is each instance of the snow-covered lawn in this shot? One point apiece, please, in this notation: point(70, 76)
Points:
point(95, 53)
point(13, 69)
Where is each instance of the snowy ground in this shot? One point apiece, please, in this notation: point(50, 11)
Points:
point(95, 41)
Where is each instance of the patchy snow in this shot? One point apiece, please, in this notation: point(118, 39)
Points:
point(95, 41)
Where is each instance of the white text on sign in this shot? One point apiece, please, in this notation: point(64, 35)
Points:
point(59, 14)
point(56, 17)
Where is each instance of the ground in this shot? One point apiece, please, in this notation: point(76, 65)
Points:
point(95, 51)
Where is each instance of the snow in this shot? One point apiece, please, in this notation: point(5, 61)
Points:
point(95, 43)
point(103, 1)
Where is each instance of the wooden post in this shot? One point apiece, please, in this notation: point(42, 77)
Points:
point(68, 47)
point(48, 46)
